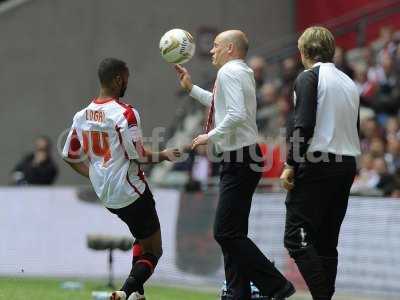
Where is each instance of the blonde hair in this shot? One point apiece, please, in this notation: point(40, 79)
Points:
point(317, 44)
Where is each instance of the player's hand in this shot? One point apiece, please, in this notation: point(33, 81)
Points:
point(202, 139)
point(184, 78)
point(186, 148)
point(287, 178)
point(171, 154)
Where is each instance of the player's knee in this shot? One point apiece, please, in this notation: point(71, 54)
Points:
point(220, 233)
point(157, 251)
point(297, 242)
point(150, 259)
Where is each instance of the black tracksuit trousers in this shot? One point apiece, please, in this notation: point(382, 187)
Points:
point(316, 207)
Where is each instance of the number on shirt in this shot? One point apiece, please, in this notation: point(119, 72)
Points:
point(97, 143)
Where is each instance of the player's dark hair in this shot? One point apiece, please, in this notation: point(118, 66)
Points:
point(110, 68)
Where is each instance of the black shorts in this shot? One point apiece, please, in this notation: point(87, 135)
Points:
point(140, 216)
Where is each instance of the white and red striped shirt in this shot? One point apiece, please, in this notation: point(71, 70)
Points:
point(108, 134)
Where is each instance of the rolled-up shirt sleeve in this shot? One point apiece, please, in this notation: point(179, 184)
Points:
point(230, 86)
point(203, 96)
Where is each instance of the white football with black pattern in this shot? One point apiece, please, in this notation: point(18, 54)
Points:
point(177, 46)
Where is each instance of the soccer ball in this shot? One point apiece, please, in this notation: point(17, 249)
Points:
point(177, 46)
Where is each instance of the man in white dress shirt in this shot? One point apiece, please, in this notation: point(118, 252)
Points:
point(233, 103)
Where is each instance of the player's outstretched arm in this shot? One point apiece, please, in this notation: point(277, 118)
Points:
point(151, 157)
point(79, 167)
point(171, 154)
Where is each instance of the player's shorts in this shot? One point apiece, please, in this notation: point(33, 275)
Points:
point(140, 216)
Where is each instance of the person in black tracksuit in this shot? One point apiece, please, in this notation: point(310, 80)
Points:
point(321, 165)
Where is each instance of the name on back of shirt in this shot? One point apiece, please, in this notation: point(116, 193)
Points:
point(95, 115)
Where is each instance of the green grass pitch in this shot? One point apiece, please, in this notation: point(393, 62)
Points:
point(50, 289)
point(22, 288)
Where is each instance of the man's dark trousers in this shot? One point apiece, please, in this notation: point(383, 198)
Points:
point(316, 208)
point(244, 262)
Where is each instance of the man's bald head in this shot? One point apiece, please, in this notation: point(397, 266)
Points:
point(238, 39)
point(229, 45)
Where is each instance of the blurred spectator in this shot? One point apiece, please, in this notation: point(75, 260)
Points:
point(367, 56)
point(387, 99)
point(367, 178)
point(393, 45)
point(366, 89)
point(397, 58)
point(369, 129)
point(268, 111)
point(269, 94)
point(341, 63)
point(258, 65)
point(385, 37)
point(393, 127)
point(289, 70)
point(392, 156)
point(389, 87)
point(386, 180)
point(284, 110)
point(377, 147)
point(37, 167)
point(383, 73)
